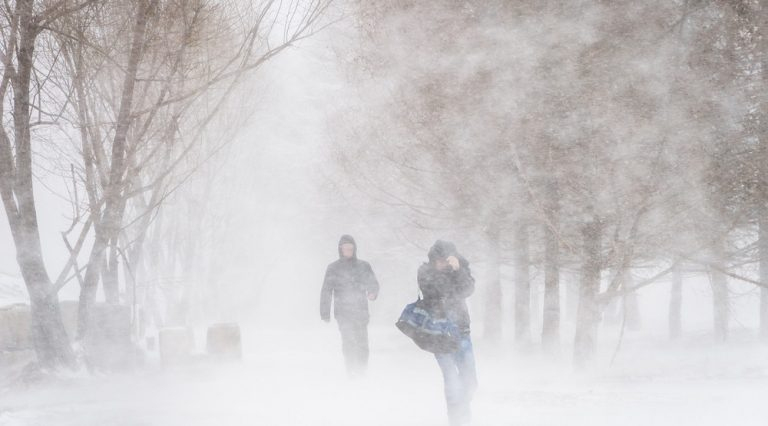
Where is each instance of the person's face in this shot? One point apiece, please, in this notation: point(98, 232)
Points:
point(347, 250)
point(441, 264)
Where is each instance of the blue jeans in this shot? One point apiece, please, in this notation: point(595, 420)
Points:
point(460, 380)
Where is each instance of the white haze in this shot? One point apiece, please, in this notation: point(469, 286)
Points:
point(280, 203)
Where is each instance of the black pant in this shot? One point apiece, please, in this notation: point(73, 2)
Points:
point(354, 344)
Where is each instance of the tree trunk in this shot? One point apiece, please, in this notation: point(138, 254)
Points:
point(90, 284)
point(109, 226)
point(571, 300)
point(630, 304)
point(50, 336)
point(550, 330)
point(720, 299)
point(522, 285)
point(109, 275)
point(493, 295)
point(763, 249)
point(588, 314)
point(676, 304)
point(156, 261)
point(762, 137)
point(16, 188)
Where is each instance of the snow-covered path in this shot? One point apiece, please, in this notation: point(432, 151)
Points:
point(297, 378)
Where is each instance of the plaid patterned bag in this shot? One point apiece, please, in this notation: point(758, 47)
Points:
point(436, 335)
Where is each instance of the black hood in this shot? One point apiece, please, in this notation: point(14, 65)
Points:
point(348, 239)
point(441, 249)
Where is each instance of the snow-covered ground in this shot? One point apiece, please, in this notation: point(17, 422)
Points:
point(296, 377)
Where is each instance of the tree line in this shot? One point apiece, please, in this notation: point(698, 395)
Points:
point(598, 139)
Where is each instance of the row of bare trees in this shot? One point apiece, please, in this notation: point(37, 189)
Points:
point(125, 99)
point(597, 139)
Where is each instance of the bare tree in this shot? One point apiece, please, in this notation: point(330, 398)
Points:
point(25, 22)
point(139, 83)
point(183, 62)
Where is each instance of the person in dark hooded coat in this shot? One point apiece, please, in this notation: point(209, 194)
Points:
point(446, 282)
point(350, 283)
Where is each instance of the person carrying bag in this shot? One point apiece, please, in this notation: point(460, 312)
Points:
point(439, 323)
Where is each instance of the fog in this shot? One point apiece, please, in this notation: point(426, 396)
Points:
point(604, 162)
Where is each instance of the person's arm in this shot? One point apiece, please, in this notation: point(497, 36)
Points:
point(371, 283)
point(426, 284)
point(465, 283)
point(326, 295)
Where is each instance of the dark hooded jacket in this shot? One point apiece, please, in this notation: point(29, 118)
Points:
point(348, 282)
point(445, 291)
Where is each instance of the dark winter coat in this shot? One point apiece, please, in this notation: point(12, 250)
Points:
point(348, 282)
point(445, 291)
